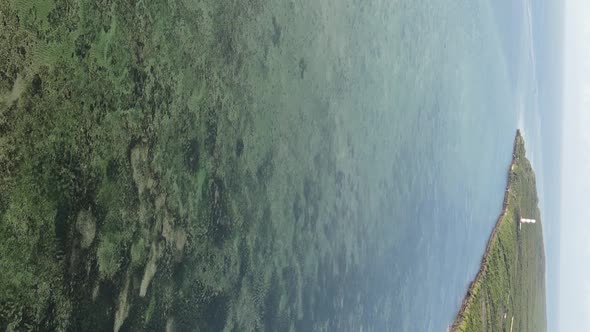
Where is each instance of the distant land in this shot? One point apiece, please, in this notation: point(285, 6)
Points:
point(508, 292)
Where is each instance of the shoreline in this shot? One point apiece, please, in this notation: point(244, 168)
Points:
point(472, 289)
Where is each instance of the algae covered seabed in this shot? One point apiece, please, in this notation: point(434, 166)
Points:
point(246, 165)
point(508, 293)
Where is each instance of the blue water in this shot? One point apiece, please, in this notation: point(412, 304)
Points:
point(414, 107)
point(384, 130)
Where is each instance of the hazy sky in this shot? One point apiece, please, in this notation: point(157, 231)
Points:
point(575, 220)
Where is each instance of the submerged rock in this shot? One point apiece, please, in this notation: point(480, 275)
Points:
point(122, 307)
point(86, 226)
point(150, 270)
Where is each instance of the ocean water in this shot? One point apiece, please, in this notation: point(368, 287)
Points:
point(321, 165)
point(390, 127)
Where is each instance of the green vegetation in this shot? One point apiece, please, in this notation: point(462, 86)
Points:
point(511, 281)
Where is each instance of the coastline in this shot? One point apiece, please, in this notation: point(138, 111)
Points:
point(476, 283)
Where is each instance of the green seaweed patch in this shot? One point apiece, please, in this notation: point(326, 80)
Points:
point(265, 169)
point(216, 211)
point(239, 147)
point(95, 313)
point(192, 155)
point(211, 124)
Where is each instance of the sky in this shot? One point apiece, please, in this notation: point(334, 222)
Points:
point(544, 133)
point(574, 302)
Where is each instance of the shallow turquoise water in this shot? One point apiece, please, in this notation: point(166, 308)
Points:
point(396, 121)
